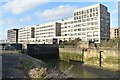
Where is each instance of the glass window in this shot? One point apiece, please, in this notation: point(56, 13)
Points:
point(74, 18)
point(90, 10)
point(84, 16)
point(96, 39)
point(96, 18)
point(79, 20)
point(79, 17)
point(96, 23)
point(93, 9)
point(97, 14)
point(79, 33)
point(79, 29)
point(93, 14)
point(79, 13)
point(92, 18)
point(83, 20)
point(88, 23)
point(82, 12)
point(90, 15)
point(87, 11)
point(75, 29)
point(83, 29)
point(83, 33)
point(92, 23)
point(96, 8)
point(88, 19)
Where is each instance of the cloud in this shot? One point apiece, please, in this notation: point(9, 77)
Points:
point(26, 19)
point(9, 21)
point(60, 12)
point(20, 6)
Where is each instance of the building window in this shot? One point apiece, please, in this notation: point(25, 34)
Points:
point(90, 15)
point(79, 29)
point(79, 20)
point(96, 39)
point(83, 20)
point(74, 18)
point(90, 10)
point(93, 14)
point(87, 11)
point(92, 23)
point(96, 13)
point(74, 14)
point(82, 12)
point(75, 29)
point(96, 23)
point(79, 13)
point(96, 8)
point(88, 19)
point(79, 17)
point(93, 9)
point(83, 29)
point(79, 33)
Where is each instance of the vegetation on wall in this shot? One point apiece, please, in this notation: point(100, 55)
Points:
point(111, 43)
point(71, 42)
point(66, 56)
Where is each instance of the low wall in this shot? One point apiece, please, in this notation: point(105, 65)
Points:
point(91, 56)
point(13, 46)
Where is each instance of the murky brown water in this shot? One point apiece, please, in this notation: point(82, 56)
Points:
point(77, 71)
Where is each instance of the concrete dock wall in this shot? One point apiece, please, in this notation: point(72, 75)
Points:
point(43, 51)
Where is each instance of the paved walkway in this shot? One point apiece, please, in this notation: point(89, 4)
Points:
point(11, 66)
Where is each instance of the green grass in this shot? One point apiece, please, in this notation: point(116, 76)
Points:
point(26, 64)
point(111, 60)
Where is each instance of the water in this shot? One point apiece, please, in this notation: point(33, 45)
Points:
point(77, 71)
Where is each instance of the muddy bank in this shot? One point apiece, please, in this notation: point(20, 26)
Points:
point(16, 65)
point(106, 73)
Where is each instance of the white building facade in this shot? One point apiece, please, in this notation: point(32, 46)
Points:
point(39, 34)
point(88, 23)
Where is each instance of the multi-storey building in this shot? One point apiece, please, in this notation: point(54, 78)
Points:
point(88, 23)
point(43, 33)
point(12, 36)
point(114, 33)
point(26, 34)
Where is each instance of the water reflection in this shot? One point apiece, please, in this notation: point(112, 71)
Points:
point(77, 71)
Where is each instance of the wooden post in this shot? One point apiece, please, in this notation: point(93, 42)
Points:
point(82, 55)
point(100, 60)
